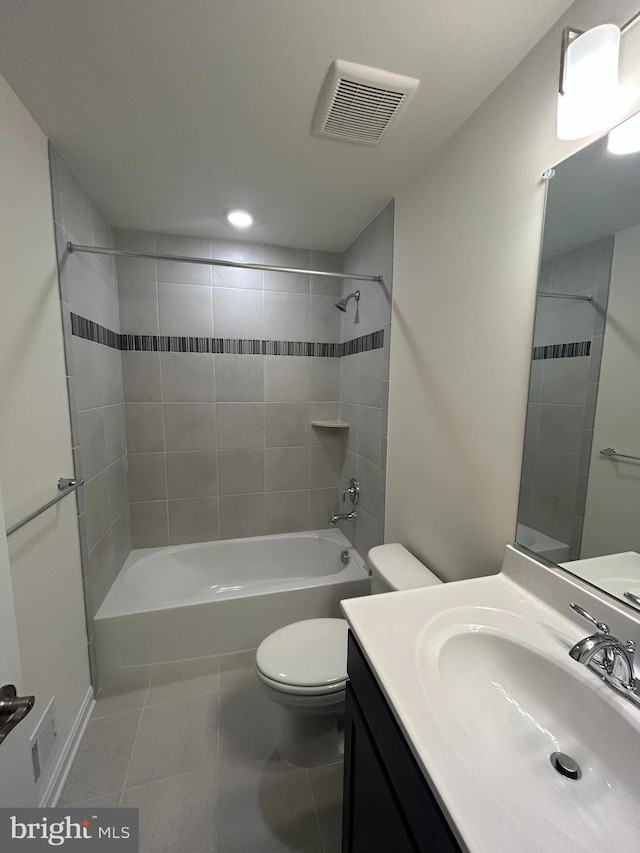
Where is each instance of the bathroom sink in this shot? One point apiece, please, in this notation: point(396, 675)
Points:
point(480, 681)
point(507, 696)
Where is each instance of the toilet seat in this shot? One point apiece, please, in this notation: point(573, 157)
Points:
point(298, 690)
point(306, 658)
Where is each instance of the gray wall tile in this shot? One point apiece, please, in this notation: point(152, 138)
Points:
point(121, 539)
point(193, 520)
point(114, 432)
point(93, 451)
point(135, 269)
point(146, 476)
point(185, 310)
point(238, 313)
point(286, 424)
point(286, 468)
point(175, 272)
point(286, 379)
point(322, 503)
point(97, 508)
point(239, 378)
point(324, 378)
point(149, 527)
point(565, 381)
point(191, 474)
point(138, 308)
point(241, 516)
point(325, 319)
point(141, 377)
point(190, 426)
point(287, 512)
point(240, 425)
point(369, 433)
point(287, 316)
point(118, 496)
point(560, 427)
point(187, 377)
point(241, 472)
point(281, 256)
point(324, 465)
point(230, 250)
point(144, 427)
point(556, 472)
point(330, 262)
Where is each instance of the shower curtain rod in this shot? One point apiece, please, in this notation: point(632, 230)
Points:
point(99, 250)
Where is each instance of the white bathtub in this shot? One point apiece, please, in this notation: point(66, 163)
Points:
point(544, 545)
point(190, 603)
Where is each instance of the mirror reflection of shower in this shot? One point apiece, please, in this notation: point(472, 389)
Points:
point(342, 305)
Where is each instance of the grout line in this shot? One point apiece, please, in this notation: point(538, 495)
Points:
point(315, 808)
point(133, 748)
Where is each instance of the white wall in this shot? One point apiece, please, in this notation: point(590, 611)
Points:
point(35, 439)
point(613, 497)
point(466, 261)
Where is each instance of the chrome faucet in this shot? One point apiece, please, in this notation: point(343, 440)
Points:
point(614, 656)
point(342, 516)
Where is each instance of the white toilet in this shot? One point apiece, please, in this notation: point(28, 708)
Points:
point(303, 666)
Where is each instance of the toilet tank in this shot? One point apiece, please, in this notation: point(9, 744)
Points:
point(394, 568)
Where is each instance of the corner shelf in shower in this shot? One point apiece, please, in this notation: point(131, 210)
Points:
point(331, 424)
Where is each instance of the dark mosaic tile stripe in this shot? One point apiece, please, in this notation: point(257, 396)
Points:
point(83, 328)
point(570, 350)
point(375, 340)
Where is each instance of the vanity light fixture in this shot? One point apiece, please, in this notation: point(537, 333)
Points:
point(239, 218)
point(589, 94)
point(589, 98)
point(625, 138)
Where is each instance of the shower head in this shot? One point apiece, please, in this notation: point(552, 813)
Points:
point(342, 305)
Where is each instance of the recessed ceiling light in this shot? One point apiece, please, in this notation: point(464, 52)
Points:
point(239, 218)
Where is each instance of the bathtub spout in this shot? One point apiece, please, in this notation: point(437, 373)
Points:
point(343, 516)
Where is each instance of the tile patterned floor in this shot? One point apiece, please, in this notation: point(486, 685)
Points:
point(198, 758)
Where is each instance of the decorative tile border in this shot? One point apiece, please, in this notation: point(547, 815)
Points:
point(87, 329)
point(574, 350)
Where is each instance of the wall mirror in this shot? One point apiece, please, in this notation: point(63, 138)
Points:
point(580, 489)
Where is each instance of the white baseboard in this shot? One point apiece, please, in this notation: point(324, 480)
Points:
point(65, 759)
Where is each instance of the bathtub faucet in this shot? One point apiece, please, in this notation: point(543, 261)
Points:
point(343, 516)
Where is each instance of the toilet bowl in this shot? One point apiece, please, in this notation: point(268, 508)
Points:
point(303, 666)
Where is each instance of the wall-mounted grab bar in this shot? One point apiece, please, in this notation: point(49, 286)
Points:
point(611, 451)
point(65, 487)
point(546, 293)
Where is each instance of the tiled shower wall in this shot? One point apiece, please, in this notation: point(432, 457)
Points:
point(219, 441)
point(88, 288)
point(563, 392)
point(364, 380)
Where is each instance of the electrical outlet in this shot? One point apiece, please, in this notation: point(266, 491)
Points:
point(43, 740)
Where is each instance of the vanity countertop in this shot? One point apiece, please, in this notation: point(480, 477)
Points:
point(478, 677)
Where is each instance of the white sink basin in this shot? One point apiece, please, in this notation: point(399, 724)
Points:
point(506, 701)
point(480, 681)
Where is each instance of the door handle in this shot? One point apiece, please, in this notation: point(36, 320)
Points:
point(13, 708)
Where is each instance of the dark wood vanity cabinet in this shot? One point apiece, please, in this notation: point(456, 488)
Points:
point(388, 805)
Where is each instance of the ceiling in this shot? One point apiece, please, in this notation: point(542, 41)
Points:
point(170, 112)
point(593, 194)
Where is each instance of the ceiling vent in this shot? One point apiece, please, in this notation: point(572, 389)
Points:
point(358, 103)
